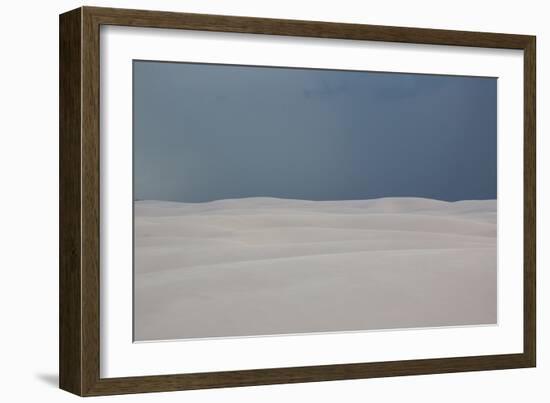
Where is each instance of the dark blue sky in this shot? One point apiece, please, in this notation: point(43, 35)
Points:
point(207, 132)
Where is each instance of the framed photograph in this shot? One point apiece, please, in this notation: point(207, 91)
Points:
point(248, 201)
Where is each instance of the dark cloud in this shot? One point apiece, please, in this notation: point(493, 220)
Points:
point(206, 132)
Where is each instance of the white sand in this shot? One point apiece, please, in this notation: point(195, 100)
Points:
point(262, 266)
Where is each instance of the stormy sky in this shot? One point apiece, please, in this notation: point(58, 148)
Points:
point(206, 132)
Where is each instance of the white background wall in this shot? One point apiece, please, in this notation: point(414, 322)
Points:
point(29, 198)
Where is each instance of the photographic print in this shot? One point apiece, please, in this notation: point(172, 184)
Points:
point(282, 201)
point(276, 201)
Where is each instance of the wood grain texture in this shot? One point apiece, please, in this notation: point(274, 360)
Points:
point(90, 201)
point(319, 373)
point(80, 195)
point(530, 203)
point(317, 29)
point(70, 314)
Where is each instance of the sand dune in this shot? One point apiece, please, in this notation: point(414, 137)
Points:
point(260, 266)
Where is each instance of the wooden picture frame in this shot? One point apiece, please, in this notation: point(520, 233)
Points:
point(79, 201)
